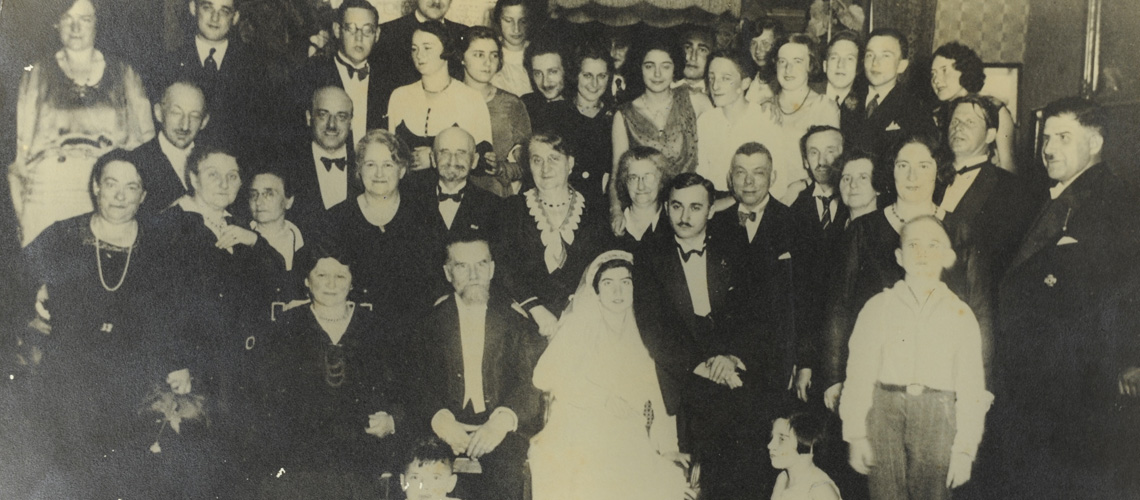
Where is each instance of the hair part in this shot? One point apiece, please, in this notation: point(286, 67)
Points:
point(815, 65)
point(350, 4)
point(939, 150)
point(904, 44)
point(477, 33)
point(449, 44)
point(690, 179)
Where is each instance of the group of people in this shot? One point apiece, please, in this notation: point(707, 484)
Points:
point(494, 262)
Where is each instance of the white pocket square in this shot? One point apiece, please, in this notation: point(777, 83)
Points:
point(893, 126)
point(784, 256)
point(1066, 240)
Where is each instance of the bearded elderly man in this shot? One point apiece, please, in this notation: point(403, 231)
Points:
point(477, 356)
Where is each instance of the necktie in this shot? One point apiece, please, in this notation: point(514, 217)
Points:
point(685, 255)
point(969, 169)
point(457, 197)
point(873, 105)
point(360, 73)
point(826, 217)
point(746, 217)
point(211, 64)
point(329, 162)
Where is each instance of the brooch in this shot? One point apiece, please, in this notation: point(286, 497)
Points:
point(1050, 280)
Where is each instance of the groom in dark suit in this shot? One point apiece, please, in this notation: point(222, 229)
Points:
point(1068, 348)
point(685, 299)
point(479, 358)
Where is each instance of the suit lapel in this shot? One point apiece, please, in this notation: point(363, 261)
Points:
point(975, 198)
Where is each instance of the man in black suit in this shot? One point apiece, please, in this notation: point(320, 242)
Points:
point(1068, 351)
point(843, 67)
point(366, 84)
point(226, 71)
point(462, 207)
point(546, 64)
point(162, 160)
point(479, 356)
point(395, 55)
point(890, 111)
point(988, 200)
point(319, 168)
point(685, 300)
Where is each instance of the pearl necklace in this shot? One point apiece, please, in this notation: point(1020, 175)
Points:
point(99, 266)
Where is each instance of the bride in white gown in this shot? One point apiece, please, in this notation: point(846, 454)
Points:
point(608, 435)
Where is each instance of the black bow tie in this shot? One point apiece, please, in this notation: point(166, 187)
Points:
point(969, 169)
point(457, 197)
point(746, 217)
point(686, 254)
point(329, 162)
point(360, 73)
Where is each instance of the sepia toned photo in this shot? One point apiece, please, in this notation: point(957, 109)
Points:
point(569, 249)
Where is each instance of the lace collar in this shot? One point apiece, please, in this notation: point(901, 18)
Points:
point(555, 239)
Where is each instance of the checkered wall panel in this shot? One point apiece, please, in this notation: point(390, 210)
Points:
point(994, 28)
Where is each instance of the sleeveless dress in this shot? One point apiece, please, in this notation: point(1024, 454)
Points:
point(678, 142)
point(61, 129)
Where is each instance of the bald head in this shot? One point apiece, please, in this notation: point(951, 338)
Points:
point(330, 118)
point(454, 151)
point(182, 113)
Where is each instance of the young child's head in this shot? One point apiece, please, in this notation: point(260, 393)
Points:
point(924, 248)
point(794, 439)
point(428, 475)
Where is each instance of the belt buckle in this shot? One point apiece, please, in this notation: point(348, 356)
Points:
point(915, 389)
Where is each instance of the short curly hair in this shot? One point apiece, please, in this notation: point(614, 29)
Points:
point(967, 62)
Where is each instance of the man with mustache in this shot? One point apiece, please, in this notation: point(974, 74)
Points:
point(477, 357)
point(819, 215)
point(395, 55)
point(1066, 353)
point(319, 167)
point(546, 64)
point(162, 161)
point(687, 301)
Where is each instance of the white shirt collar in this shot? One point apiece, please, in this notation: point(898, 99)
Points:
point(971, 161)
point(1060, 187)
point(837, 95)
point(319, 151)
point(686, 247)
point(170, 150)
point(871, 93)
point(203, 45)
point(818, 191)
point(759, 208)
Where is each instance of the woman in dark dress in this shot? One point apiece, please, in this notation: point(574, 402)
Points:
point(221, 271)
point(589, 118)
point(332, 394)
point(97, 280)
point(549, 236)
point(868, 265)
point(382, 232)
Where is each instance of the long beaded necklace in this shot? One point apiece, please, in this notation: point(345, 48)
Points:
point(99, 266)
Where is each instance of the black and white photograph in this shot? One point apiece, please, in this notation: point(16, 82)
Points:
point(569, 250)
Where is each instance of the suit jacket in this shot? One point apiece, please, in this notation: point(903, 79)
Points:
point(323, 72)
point(899, 114)
point(235, 94)
point(664, 312)
point(510, 351)
point(394, 53)
point(1078, 252)
point(308, 206)
point(771, 315)
point(163, 186)
point(998, 209)
point(807, 217)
